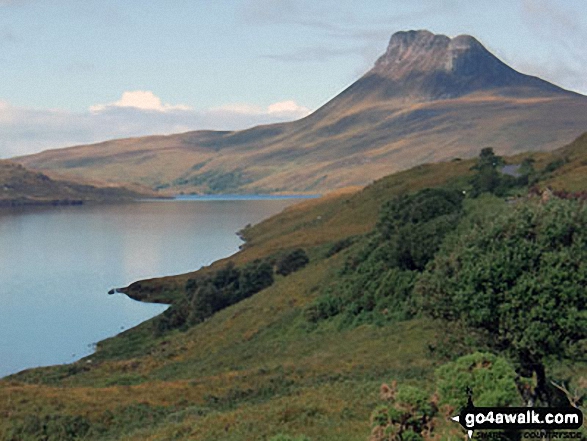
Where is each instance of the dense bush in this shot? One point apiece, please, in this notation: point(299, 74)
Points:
point(518, 278)
point(527, 174)
point(209, 294)
point(376, 282)
point(488, 177)
point(491, 380)
point(49, 428)
point(414, 225)
point(555, 165)
point(342, 244)
point(174, 317)
point(254, 277)
point(411, 413)
point(291, 262)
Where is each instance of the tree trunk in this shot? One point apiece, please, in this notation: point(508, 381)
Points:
point(541, 391)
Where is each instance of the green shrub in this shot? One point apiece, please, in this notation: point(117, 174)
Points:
point(491, 379)
point(378, 277)
point(337, 247)
point(325, 307)
point(291, 262)
point(489, 178)
point(408, 415)
point(254, 277)
point(206, 295)
point(554, 165)
point(49, 428)
point(174, 317)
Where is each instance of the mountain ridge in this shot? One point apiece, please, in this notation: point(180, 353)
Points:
point(427, 98)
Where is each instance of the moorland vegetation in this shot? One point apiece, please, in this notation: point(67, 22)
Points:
point(355, 316)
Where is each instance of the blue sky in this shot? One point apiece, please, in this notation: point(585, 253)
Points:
point(84, 71)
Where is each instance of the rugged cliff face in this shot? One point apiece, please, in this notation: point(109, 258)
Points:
point(425, 65)
point(427, 98)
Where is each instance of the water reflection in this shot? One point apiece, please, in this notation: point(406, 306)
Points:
point(56, 266)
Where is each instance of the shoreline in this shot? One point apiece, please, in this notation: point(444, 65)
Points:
point(233, 197)
point(142, 294)
point(10, 204)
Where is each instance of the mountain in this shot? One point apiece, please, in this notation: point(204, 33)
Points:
point(19, 186)
point(420, 64)
point(428, 98)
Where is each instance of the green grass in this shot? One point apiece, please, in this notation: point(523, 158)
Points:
point(258, 368)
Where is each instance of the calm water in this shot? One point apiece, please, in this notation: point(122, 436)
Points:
point(57, 265)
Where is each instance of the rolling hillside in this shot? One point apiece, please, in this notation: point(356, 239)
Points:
point(428, 98)
point(19, 186)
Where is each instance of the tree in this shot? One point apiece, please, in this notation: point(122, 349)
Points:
point(527, 166)
point(291, 262)
point(254, 277)
point(414, 225)
point(227, 277)
point(488, 178)
point(519, 279)
point(376, 282)
point(206, 301)
point(174, 317)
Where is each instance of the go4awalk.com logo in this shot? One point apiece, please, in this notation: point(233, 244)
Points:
point(549, 419)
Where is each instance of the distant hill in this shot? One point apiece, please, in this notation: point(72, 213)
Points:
point(19, 186)
point(428, 98)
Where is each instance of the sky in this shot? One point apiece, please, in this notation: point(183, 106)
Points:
point(75, 72)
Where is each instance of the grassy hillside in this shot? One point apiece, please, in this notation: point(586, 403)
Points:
point(19, 186)
point(337, 146)
point(260, 367)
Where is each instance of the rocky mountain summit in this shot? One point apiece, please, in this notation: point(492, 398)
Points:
point(420, 64)
point(427, 98)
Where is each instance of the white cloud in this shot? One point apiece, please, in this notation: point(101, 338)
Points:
point(140, 99)
point(288, 108)
point(285, 109)
point(25, 130)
